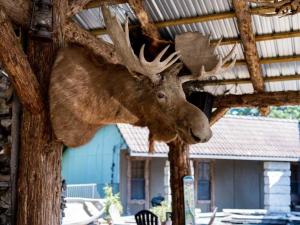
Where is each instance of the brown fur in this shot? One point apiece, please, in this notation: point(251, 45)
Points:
point(87, 93)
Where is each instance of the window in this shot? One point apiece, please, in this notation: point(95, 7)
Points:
point(137, 180)
point(204, 182)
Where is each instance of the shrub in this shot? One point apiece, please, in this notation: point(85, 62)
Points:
point(111, 199)
point(161, 211)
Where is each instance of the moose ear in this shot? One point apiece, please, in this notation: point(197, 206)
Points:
point(175, 68)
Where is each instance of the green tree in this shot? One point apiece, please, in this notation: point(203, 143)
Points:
point(283, 112)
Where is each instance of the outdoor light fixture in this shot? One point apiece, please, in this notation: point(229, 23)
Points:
point(41, 24)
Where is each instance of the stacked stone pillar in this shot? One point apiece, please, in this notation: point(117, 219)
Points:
point(277, 186)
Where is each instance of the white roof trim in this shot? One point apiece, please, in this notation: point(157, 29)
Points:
point(228, 157)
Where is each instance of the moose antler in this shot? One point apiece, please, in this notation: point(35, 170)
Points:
point(199, 56)
point(125, 51)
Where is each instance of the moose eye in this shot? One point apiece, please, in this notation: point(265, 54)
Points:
point(161, 95)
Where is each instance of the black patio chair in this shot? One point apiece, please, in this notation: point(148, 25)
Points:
point(146, 217)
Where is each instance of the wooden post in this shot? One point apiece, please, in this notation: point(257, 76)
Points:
point(213, 184)
point(179, 167)
point(39, 183)
point(147, 191)
point(128, 184)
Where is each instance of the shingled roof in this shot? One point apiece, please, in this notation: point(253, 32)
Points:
point(251, 138)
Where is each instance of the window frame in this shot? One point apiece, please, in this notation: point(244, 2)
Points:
point(210, 202)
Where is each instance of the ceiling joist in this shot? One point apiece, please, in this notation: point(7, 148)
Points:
point(281, 98)
point(229, 41)
point(248, 80)
point(98, 3)
point(271, 60)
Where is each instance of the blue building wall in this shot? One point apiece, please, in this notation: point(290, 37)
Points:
point(93, 162)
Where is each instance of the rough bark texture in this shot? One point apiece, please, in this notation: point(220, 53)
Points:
point(16, 65)
point(39, 183)
point(179, 167)
point(217, 114)
point(280, 98)
point(75, 34)
point(98, 3)
point(76, 6)
point(242, 12)
point(17, 10)
point(264, 110)
point(149, 28)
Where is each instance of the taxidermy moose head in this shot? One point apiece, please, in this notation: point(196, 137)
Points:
point(87, 93)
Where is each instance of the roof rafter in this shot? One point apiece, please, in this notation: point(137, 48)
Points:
point(217, 114)
point(271, 60)
point(98, 3)
point(229, 41)
point(280, 98)
point(248, 80)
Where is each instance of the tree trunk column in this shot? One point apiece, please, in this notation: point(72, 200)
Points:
point(179, 167)
point(39, 183)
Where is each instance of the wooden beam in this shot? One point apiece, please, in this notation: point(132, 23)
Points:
point(179, 167)
point(271, 60)
point(280, 98)
point(227, 41)
point(98, 3)
point(281, 59)
point(76, 6)
point(248, 41)
point(15, 63)
point(217, 114)
point(197, 19)
point(248, 81)
point(261, 37)
point(75, 34)
point(18, 11)
point(264, 110)
point(149, 29)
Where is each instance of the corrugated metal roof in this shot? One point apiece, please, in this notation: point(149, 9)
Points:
point(259, 138)
point(175, 9)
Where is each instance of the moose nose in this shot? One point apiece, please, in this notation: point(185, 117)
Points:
point(200, 136)
point(209, 135)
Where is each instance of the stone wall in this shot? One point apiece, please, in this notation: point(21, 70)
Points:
point(5, 151)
